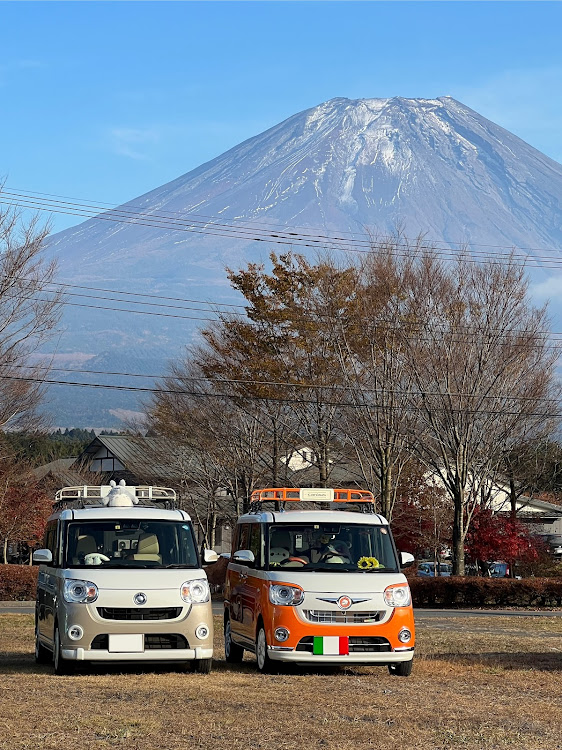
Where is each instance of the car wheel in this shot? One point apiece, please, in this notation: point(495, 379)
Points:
point(203, 666)
point(233, 653)
point(42, 653)
point(401, 668)
point(62, 666)
point(265, 664)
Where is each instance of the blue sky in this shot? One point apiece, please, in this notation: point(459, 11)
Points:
point(107, 100)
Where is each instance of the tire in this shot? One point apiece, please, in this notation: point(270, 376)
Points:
point(401, 668)
point(265, 664)
point(62, 666)
point(203, 666)
point(233, 653)
point(42, 653)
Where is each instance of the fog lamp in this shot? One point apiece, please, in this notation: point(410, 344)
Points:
point(404, 635)
point(202, 631)
point(75, 632)
point(281, 634)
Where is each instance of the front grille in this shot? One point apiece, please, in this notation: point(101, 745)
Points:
point(139, 613)
point(100, 642)
point(357, 644)
point(373, 644)
point(152, 641)
point(156, 641)
point(338, 617)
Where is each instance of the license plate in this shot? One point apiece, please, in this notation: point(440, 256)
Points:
point(330, 646)
point(126, 643)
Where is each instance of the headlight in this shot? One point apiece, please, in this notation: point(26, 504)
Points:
point(195, 591)
point(398, 595)
point(76, 591)
point(280, 593)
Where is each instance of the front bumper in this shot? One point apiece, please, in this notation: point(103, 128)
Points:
point(187, 654)
point(302, 657)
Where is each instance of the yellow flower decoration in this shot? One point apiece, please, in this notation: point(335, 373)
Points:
point(368, 562)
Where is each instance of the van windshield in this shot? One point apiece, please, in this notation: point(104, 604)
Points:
point(130, 543)
point(332, 547)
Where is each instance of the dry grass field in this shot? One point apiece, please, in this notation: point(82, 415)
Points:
point(477, 683)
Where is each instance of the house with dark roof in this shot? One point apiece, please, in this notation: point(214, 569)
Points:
point(134, 458)
point(57, 473)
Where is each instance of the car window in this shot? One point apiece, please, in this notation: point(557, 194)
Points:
point(331, 547)
point(130, 543)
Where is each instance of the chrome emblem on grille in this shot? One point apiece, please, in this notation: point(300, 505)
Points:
point(343, 602)
point(140, 598)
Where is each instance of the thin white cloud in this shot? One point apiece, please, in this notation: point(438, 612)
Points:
point(550, 289)
point(133, 143)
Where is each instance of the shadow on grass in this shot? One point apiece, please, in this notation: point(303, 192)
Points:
point(24, 663)
point(540, 661)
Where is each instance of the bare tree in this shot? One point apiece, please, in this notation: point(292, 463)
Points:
point(371, 352)
point(29, 313)
point(225, 447)
point(483, 372)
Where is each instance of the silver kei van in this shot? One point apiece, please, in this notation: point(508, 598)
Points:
point(120, 580)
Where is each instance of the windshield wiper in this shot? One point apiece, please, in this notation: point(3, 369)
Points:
point(180, 565)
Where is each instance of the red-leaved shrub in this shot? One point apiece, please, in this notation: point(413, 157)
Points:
point(458, 592)
point(18, 582)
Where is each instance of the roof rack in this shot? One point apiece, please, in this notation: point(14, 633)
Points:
point(92, 496)
point(281, 495)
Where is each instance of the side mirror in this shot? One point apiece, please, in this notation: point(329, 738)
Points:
point(406, 559)
point(210, 556)
point(42, 556)
point(244, 556)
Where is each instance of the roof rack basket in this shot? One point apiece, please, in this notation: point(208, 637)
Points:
point(364, 499)
point(91, 496)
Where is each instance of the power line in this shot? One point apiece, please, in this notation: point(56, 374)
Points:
point(316, 232)
point(313, 316)
point(255, 234)
point(277, 384)
point(465, 334)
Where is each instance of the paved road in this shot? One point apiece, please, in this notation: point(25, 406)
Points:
point(420, 614)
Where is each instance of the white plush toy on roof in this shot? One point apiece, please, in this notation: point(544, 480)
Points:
point(118, 497)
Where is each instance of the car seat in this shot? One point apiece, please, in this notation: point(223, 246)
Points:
point(85, 545)
point(148, 548)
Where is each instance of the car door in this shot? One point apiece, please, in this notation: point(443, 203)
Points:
point(245, 583)
point(237, 574)
point(253, 584)
point(47, 585)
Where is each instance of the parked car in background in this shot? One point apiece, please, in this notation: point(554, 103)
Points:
point(432, 570)
point(498, 570)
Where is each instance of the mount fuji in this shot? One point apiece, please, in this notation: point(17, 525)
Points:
point(346, 167)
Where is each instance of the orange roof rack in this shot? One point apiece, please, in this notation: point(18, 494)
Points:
point(312, 494)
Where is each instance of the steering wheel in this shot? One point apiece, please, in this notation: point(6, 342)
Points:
point(327, 555)
point(294, 559)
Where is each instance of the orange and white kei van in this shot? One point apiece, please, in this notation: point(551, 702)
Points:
point(317, 586)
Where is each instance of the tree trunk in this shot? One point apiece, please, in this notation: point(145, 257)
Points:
point(386, 494)
point(458, 533)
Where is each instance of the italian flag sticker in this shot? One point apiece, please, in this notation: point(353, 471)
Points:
point(331, 645)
